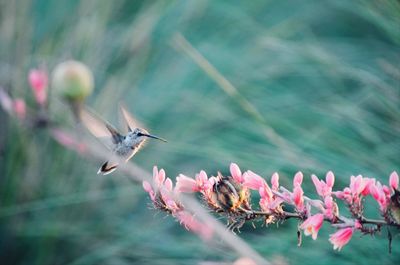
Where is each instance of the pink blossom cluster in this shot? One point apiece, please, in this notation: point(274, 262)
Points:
point(230, 196)
point(165, 197)
point(38, 81)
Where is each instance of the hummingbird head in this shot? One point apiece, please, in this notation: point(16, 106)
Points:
point(139, 135)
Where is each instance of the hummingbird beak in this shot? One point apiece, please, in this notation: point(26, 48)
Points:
point(154, 137)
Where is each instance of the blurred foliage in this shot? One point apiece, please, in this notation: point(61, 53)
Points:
point(323, 75)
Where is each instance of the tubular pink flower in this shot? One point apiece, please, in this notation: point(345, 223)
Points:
point(341, 237)
point(344, 195)
point(275, 181)
point(19, 108)
point(330, 179)
point(147, 187)
point(329, 207)
point(378, 193)
point(253, 181)
point(236, 173)
point(369, 182)
point(324, 189)
point(358, 184)
point(394, 180)
point(38, 80)
point(185, 184)
point(312, 225)
point(298, 179)
point(298, 198)
point(158, 177)
point(202, 181)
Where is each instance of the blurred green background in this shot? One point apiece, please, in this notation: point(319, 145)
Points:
point(316, 88)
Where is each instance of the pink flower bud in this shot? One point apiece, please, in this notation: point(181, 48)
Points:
point(374, 192)
point(185, 184)
point(330, 179)
point(275, 181)
point(312, 225)
point(341, 237)
point(298, 198)
point(252, 180)
point(298, 179)
point(158, 176)
point(38, 80)
point(19, 108)
point(149, 189)
point(236, 173)
point(394, 180)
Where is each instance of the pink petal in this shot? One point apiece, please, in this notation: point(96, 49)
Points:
point(185, 184)
point(252, 180)
point(147, 187)
point(330, 179)
point(317, 184)
point(298, 179)
point(168, 184)
point(236, 173)
point(275, 181)
point(394, 180)
point(374, 192)
point(298, 198)
point(38, 80)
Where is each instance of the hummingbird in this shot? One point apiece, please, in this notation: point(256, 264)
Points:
point(394, 207)
point(122, 145)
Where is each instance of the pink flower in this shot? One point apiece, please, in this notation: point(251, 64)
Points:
point(275, 181)
point(38, 80)
point(298, 179)
point(253, 181)
point(162, 192)
point(149, 189)
point(189, 185)
point(380, 194)
point(158, 177)
point(330, 208)
point(341, 237)
point(394, 180)
point(324, 189)
point(194, 225)
point(312, 225)
point(298, 199)
point(369, 182)
point(185, 184)
point(344, 195)
point(203, 182)
point(358, 184)
point(236, 173)
point(19, 108)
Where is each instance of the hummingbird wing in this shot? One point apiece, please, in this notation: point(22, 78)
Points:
point(127, 120)
point(101, 129)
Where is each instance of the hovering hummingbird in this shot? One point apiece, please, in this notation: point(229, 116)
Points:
point(124, 146)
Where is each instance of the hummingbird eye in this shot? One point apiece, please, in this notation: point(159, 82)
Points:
point(139, 134)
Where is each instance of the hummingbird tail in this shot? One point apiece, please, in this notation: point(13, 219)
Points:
point(107, 169)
